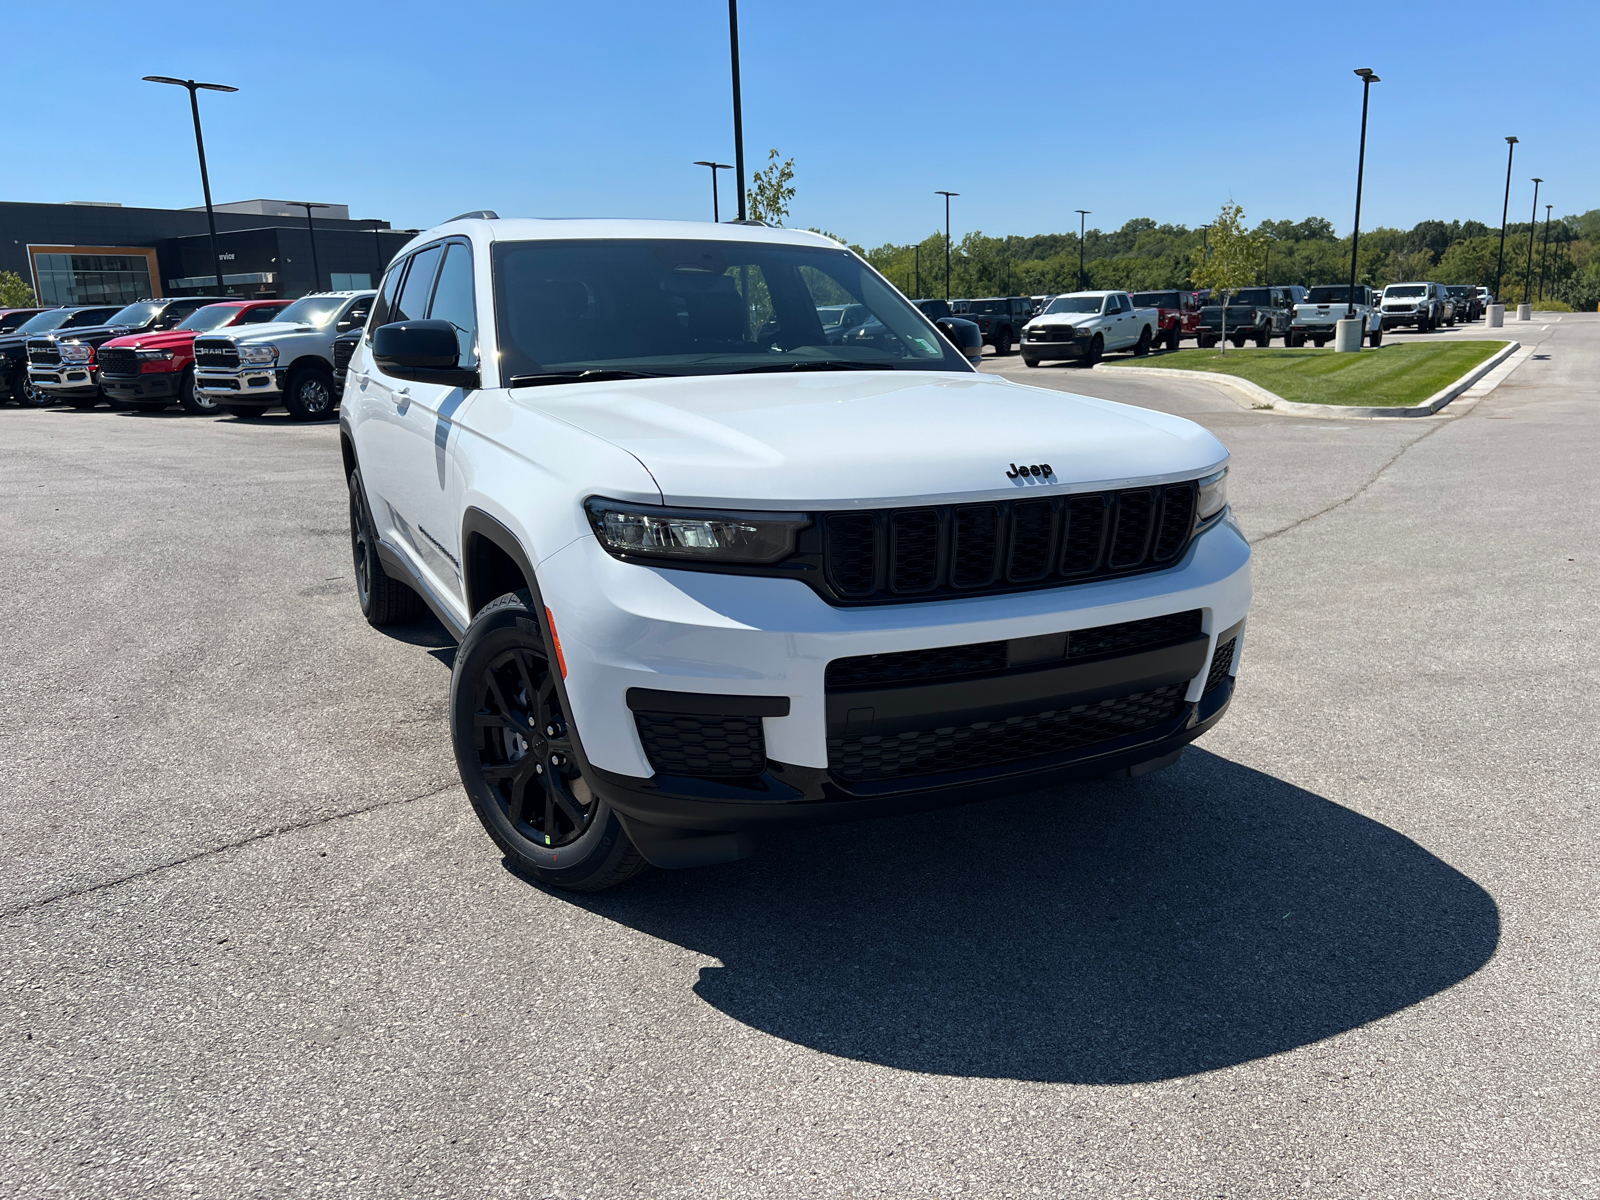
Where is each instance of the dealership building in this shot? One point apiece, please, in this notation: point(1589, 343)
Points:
point(91, 253)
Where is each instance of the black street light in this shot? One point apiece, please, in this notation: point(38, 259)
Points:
point(1533, 223)
point(1367, 80)
point(947, 196)
point(316, 271)
point(200, 145)
point(1083, 214)
point(716, 213)
point(1505, 209)
point(1544, 255)
point(738, 113)
point(917, 252)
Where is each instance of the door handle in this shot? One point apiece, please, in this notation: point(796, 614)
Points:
point(402, 398)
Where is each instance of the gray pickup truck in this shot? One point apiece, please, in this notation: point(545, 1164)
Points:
point(1256, 314)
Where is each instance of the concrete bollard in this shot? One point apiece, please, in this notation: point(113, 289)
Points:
point(1495, 318)
point(1524, 312)
point(1347, 335)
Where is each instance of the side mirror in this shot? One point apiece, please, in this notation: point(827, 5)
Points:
point(423, 351)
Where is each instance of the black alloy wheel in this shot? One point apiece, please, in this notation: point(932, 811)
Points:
point(1174, 337)
point(310, 395)
point(24, 393)
point(518, 756)
point(1097, 347)
point(1002, 341)
point(1264, 337)
point(193, 402)
point(1143, 346)
point(383, 601)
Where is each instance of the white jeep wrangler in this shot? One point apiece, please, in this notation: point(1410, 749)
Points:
point(711, 571)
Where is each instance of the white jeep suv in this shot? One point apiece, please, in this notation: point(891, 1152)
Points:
point(711, 570)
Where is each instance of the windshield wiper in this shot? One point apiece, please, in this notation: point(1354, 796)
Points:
point(821, 364)
point(589, 376)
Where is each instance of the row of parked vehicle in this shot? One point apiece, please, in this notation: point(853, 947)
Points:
point(1085, 325)
point(206, 354)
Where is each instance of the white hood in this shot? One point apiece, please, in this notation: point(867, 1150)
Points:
point(1073, 319)
point(872, 438)
point(263, 333)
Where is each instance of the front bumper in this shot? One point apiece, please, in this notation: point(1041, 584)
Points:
point(156, 385)
point(1394, 320)
point(1076, 348)
point(248, 385)
point(67, 383)
point(761, 646)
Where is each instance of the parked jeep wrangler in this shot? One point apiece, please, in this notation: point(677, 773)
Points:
point(1256, 314)
point(1179, 314)
point(999, 319)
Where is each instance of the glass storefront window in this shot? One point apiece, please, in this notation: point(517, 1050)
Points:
point(92, 278)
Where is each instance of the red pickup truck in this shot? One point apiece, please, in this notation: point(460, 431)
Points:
point(1180, 315)
point(148, 371)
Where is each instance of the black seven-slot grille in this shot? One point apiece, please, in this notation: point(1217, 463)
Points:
point(894, 555)
point(118, 360)
point(343, 351)
point(216, 353)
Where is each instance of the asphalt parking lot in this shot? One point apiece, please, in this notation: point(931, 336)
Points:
point(254, 942)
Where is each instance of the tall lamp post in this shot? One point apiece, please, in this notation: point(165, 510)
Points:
point(947, 196)
point(1505, 209)
point(200, 145)
point(1083, 215)
point(316, 270)
point(1533, 223)
point(716, 215)
point(1367, 80)
point(738, 112)
point(1544, 255)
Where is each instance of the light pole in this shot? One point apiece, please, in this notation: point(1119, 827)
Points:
point(716, 215)
point(316, 271)
point(200, 145)
point(1083, 214)
point(1367, 80)
point(917, 251)
point(738, 113)
point(947, 196)
point(1533, 223)
point(1544, 255)
point(1505, 209)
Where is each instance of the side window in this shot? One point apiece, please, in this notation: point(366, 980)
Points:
point(385, 301)
point(1124, 304)
point(258, 316)
point(453, 302)
point(412, 304)
point(355, 316)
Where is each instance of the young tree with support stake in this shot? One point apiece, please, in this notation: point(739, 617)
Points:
point(1234, 259)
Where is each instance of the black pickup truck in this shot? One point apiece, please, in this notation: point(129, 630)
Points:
point(1256, 314)
point(61, 364)
point(999, 318)
point(14, 347)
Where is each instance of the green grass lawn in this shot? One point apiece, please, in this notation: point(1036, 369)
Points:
point(1395, 376)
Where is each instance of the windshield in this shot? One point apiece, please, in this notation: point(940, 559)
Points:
point(673, 307)
point(1156, 299)
point(1406, 290)
point(988, 306)
point(141, 312)
point(212, 316)
point(313, 310)
point(1457, 291)
point(53, 318)
point(934, 309)
point(1075, 304)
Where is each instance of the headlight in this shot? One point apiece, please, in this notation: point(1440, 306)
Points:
point(648, 530)
point(76, 352)
point(154, 355)
point(1213, 494)
point(264, 353)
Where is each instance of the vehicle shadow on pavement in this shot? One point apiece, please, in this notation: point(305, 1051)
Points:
point(1120, 932)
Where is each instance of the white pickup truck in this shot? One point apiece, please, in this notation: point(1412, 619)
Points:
point(1328, 304)
point(1084, 325)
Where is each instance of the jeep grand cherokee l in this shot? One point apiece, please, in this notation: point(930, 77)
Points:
point(711, 572)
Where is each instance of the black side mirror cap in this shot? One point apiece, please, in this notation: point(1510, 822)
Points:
point(421, 351)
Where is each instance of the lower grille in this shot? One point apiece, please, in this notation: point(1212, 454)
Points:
point(703, 746)
point(1012, 740)
point(118, 360)
point(1221, 664)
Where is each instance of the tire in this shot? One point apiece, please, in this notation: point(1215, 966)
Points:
point(1451, 322)
point(1294, 340)
point(515, 750)
point(310, 395)
point(1002, 341)
point(1174, 337)
point(383, 601)
point(1207, 341)
point(1375, 338)
point(1238, 341)
point(1097, 347)
point(193, 402)
point(1319, 343)
point(147, 406)
point(1030, 360)
point(1424, 324)
point(1264, 338)
point(24, 393)
point(1143, 346)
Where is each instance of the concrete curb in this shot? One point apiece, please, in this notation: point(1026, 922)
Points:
point(1261, 398)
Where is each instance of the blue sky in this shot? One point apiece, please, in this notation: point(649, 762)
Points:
point(414, 112)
